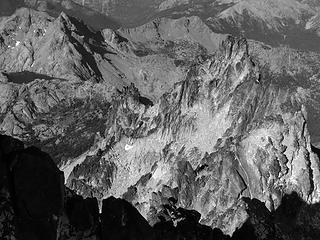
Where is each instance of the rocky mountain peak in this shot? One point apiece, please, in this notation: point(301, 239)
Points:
point(180, 141)
point(189, 126)
point(35, 39)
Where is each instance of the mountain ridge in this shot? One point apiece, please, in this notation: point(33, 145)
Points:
point(84, 97)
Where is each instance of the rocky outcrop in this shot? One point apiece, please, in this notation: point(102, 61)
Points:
point(28, 93)
point(35, 42)
point(34, 208)
point(219, 129)
point(179, 148)
point(39, 209)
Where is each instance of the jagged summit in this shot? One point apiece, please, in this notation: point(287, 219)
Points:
point(165, 113)
point(35, 42)
point(177, 143)
point(56, 212)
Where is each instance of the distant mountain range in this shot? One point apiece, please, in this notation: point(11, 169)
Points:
point(275, 22)
point(55, 7)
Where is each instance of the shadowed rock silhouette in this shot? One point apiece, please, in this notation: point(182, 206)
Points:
point(120, 220)
point(33, 187)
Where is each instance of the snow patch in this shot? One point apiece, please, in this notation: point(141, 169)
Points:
point(127, 147)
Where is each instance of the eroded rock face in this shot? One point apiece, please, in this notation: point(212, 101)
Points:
point(181, 148)
point(58, 76)
point(34, 208)
point(33, 42)
point(215, 128)
point(76, 217)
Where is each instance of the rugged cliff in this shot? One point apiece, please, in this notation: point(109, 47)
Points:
point(224, 132)
point(171, 121)
point(34, 204)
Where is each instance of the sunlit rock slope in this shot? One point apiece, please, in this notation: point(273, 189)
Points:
point(168, 112)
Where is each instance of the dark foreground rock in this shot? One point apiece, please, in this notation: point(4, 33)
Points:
point(34, 184)
point(34, 204)
point(120, 220)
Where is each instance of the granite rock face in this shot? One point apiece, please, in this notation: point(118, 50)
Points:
point(34, 208)
point(180, 148)
point(62, 78)
point(181, 124)
point(52, 211)
point(35, 45)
